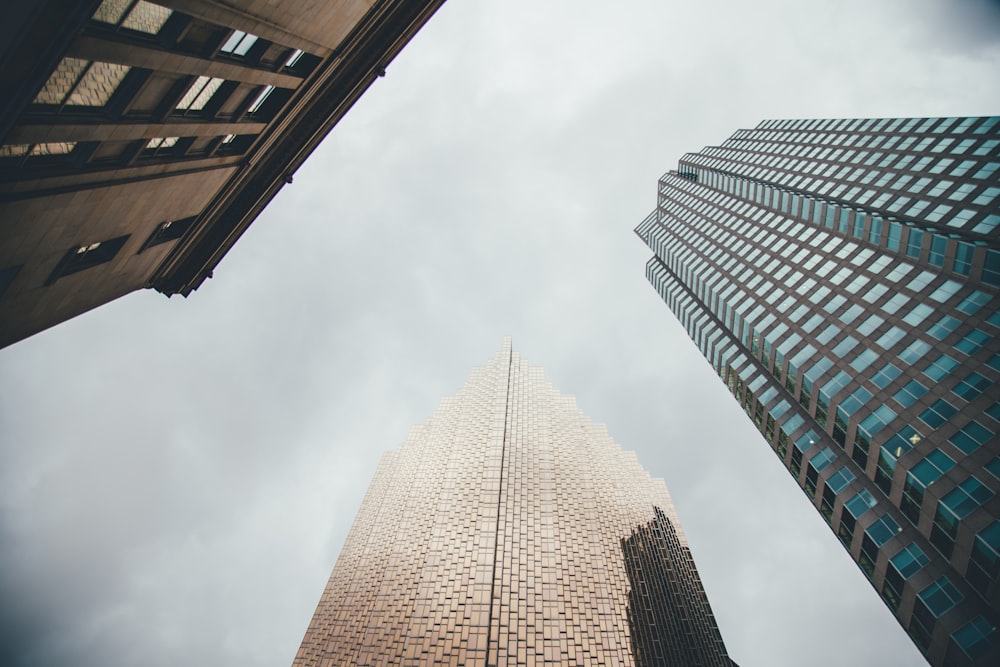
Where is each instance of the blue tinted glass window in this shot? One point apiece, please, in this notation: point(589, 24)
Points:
point(891, 337)
point(864, 360)
point(963, 258)
point(974, 340)
point(940, 596)
point(914, 351)
point(883, 530)
point(851, 314)
point(806, 441)
point(793, 423)
point(780, 409)
point(943, 327)
point(894, 234)
point(938, 414)
point(919, 313)
point(885, 375)
point(877, 420)
point(972, 436)
point(994, 362)
point(858, 398)
point(903, 441)
point(975, 637)
point(914, 242)
point(909, 561)
point(869, 325)
point(931, 467)
point(910, 393)
point(971, 386)
point(840, 479)
point(860, 503)
point(989, 539)
point(966, 497)
point(991, 270)
point(986, 147)
point(940, 367)
point(822, 459)
point(938, 246)
point(838, 382)
point(828, 334)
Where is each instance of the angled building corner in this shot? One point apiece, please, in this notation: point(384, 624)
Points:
point(139, 140)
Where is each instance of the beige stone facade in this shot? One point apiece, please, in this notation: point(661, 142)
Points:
point(140, 139)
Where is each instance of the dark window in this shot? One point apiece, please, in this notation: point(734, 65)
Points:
point(164, 146)
point(168, 231)
point(840, 428)
point(860, 453)
point(860, 503)
point(875, 536)
point(769, 428)
point(958, 504)
point(826, 506)
point(796, 463)
point(7, 277)
point(930, 604)
point(86, 256)
point(235, 144)
point(782, 447)
point(984, 566)
point(884, 471)
point(971, 437)
point(869, 554)
point(901, 567)
point(846, 530)
point(938, 414)
point(919, 477)
point(973, 385)
point(974, 639)
point(811, 478)
point(822, 408)
point(816, 464)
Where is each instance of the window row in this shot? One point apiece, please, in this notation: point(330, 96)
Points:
point(86, 256)
point(978, 124)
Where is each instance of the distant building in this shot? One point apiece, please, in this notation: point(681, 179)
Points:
point(841, 276)
point(510, 530)
point(139, 140)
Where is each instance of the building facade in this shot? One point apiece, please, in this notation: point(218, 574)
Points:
point(510, 530)
point(841, 277)
point(139, 140)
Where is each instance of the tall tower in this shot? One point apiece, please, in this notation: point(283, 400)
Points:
point(841, 277)
point(510, 530)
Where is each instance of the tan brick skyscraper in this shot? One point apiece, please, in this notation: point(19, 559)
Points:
point(510, 530)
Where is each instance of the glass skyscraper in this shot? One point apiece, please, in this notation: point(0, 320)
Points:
point(841, 277)
point(510, 530)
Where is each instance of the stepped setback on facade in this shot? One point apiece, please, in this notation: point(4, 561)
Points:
point(841, 276)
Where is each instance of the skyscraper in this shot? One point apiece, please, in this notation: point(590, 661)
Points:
point(510, 530)
point(841, 277)
point(140, 139)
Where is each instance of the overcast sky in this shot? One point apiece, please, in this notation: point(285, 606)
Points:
point(177, 476)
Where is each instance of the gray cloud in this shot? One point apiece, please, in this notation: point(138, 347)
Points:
point(176, 476)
